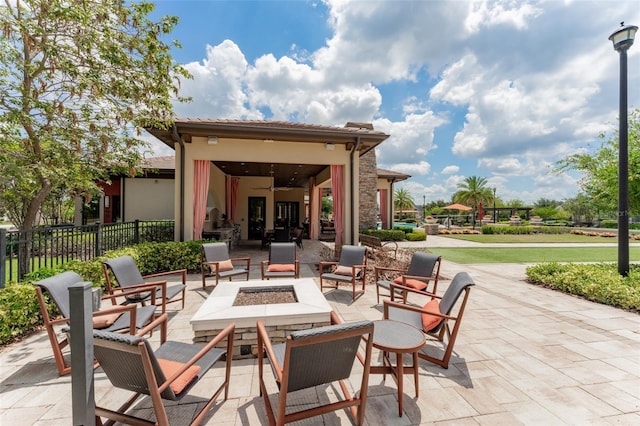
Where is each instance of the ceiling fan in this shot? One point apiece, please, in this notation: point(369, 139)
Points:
point(272, 187)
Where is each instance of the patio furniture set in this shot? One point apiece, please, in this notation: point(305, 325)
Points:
point(303, 359)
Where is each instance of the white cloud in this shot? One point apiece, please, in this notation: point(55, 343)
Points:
point(450, 170)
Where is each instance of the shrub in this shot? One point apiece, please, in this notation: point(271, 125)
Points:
point(596, 282)
point(19, 311)
point(385, 234)
point(416, 236)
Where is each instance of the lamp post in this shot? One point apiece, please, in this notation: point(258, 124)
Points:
point(622, 40)
point(424, 207)
point(495, 220)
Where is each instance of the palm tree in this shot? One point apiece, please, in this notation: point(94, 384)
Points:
point(473, 192)
point(402, 200)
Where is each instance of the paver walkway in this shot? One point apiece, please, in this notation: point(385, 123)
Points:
point(524, 355)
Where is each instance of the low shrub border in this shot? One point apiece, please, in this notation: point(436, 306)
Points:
point(595, 282)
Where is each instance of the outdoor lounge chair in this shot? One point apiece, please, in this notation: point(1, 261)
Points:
point(282, 262)
point(168, 373)
point(423, 268)
point(215, 262)
point(434, 318)
point(128, 275)
point(114, 318)
point(351, 268)
point(311, 358)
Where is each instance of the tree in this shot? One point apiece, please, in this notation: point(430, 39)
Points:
point(599, 180)
point(473, 192)
point(327, 206)
point(78, 82)
point(581, 209)
point(402, 200)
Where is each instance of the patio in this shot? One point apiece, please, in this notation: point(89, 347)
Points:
point(524, 355)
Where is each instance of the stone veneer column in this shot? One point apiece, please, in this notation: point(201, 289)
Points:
point(368, 190)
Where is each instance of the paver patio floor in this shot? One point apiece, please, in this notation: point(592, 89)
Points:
point(524, 355)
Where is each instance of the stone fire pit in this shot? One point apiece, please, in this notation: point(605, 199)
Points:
point(218, 310)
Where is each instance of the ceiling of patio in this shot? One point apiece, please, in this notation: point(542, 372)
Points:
point(285, 175)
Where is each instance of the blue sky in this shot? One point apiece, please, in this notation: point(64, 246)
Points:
point(499, 89)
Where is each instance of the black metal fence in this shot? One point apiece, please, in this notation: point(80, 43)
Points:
point(24, 251)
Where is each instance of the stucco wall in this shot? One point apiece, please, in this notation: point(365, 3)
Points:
point(140, 194)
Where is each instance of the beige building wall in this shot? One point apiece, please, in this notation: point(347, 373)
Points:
point(140, 194)
point(255, 151)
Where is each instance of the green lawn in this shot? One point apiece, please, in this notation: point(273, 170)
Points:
point(533, 254)
point(530, 238)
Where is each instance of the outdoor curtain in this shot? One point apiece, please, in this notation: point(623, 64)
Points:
point(337, 189)
point(200, 190)
point(231, 185)
point(384, 208)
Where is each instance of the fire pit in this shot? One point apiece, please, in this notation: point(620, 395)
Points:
point(305, 308)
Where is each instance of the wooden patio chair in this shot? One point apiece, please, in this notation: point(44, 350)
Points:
point(423, 268)
point(311, 358)
point(131, 318)
point(215, 262)
point(168, 373)
point(127, 275)
point(351, 268)
point(435, 317)
point(282, 262)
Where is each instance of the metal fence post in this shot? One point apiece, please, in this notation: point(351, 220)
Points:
point(81, 342)
point(97, 252)
point(136, 231)
point(3, 257)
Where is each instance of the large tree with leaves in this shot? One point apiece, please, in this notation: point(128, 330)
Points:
point(599, 169)
point(473, 191)
point(79, 79)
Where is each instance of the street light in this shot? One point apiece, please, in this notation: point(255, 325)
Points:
point(424, 208)
point(494, 205)
point(622, 40)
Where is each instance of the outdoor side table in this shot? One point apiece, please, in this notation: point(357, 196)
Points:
point(399, 338)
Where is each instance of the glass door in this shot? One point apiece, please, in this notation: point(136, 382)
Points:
point(257, 217)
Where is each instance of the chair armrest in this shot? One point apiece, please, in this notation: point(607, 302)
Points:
point(379, 269)
point(325, 263)
point(394, 243)
point(141, 288)
point(412, 290)
point(242, 259)
point(391, 304)
point(226, 333)
point(420, 278)
point(263, 339)
point(162, 321)
point(335, 319)
point(182, 272)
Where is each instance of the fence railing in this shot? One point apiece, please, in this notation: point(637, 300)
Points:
point(24, 251)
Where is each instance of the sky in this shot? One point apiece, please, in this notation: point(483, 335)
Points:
point(495, 89)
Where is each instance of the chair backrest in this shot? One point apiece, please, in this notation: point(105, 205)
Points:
point(323, 355)
point(352, 255)
point(215, 252)
point(281, 234)
point(125, 270)
point(58, 288)
point(459, 283)
point(282, 253)
point(121, 358)
point(422, 264)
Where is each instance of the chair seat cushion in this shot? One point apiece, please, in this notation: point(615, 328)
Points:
point(411, 282)
point(429, 321)
point(105, 320)
point(169, 368)
point(279, 267)
point(225, 265)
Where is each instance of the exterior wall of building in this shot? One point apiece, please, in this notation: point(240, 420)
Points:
point(148, 199)
point(368, 191)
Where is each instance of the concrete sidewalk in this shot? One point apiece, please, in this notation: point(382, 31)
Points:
point(524, 355)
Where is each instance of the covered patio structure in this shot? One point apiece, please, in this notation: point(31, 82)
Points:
point(264, 174)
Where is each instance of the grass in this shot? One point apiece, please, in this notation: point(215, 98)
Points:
point(530, 238)
point(468, 255)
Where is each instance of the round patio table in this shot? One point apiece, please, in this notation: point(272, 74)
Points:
point(400, 338)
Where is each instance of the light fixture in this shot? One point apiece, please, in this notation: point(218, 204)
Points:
point(330, 146)
point(622, 40)
point(267, 140)
point(212, 140)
